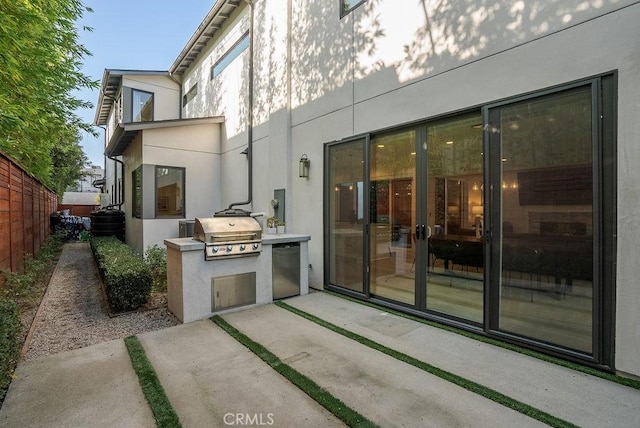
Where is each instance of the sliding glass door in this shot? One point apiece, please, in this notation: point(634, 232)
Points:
point(500, 218)
point(345, 262)
point(392, 182)
point(455, 214)
point(544, 169)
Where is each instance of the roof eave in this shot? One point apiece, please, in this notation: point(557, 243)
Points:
point(205, 31)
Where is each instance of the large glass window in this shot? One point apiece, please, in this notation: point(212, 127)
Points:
point(392, 215)
point(455, 215)
point(142, 108)
point(169, 192)
point(346, 215)
point(502, 218)
point(546, 218)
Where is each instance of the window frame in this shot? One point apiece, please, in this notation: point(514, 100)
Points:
point(190, 95)
point(133, 111)
point(136, 208)
point(604, 173)
point(345, 9)
point(156, 195)
point(230, 55)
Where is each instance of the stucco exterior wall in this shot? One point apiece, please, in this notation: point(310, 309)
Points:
point(166, 94)
point(319, 78)
point(390, 63)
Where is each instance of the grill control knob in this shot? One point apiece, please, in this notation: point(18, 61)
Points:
point(243, 247)
point(214, 249)
point(255, 246)
point(229, 248)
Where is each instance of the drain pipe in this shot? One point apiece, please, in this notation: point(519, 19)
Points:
point(179, 83)
point(250, 118)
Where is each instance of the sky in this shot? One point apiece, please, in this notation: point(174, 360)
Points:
point(132, 34)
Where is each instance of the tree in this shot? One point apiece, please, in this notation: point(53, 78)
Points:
point(40, 66)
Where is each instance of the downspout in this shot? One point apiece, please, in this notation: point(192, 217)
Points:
point(181, 94)
point(250, 118)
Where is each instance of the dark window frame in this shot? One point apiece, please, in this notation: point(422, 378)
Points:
point(156, 196)
point(136, 205)
point(191, 94)
point(604, 211)
point(346, 7)
point(133, 111)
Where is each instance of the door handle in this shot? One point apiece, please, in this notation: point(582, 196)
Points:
point(421, 231)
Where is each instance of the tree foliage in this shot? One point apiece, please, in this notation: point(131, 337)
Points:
point(40, 67)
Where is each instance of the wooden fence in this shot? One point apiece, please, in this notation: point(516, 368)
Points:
point(25, 206)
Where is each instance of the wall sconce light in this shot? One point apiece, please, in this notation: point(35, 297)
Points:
point(303, 169)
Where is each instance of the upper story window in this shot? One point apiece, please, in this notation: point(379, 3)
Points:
point(118, 109)
point(191, 94)
point(230, 55)
point(142, 106)
point(347, 6)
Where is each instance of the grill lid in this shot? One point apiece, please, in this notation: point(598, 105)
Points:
point(227, 229)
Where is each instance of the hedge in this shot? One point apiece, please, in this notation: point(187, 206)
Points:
point(127, 278)
point(9, 343)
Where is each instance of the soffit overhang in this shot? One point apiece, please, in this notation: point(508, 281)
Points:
point(219, 13)
point(126, 132)
point(111, 83)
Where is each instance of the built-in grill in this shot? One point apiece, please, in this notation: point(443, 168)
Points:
point(229, 233)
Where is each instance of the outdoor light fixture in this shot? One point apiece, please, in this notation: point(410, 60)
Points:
point(304, 167)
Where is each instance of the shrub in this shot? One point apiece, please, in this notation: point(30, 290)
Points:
point(127, 278)
point(156, 259)
point(9, 343)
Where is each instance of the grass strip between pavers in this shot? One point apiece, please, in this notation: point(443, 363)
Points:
point(631, 383)
point(469, 385)
point(163, 411)
point(308, 386)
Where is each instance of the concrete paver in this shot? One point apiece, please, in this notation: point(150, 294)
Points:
point(214, 381)
point(389, 392)
point(89, 387)
point(584, 400)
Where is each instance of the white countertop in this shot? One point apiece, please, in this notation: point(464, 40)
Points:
point(190, 244)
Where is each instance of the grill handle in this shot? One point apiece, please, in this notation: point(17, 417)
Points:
point(237, 235)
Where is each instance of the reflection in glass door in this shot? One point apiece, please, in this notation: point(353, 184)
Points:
point(346, 215)
point(546, 189)
point(455, 211)
point(392, 216)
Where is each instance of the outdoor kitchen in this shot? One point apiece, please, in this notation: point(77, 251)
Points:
point(229, 263)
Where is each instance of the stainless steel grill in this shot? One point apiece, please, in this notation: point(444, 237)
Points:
point(228, 236)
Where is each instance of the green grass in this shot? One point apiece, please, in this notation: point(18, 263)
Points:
point(162, 410)
point(443, 374)
point(312, 389)
point(631, 383)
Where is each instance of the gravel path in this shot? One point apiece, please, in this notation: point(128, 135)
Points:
point(73, 312)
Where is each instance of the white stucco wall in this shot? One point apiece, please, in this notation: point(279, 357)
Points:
point(378, 68)
point(390, 63)
point(194, 147)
